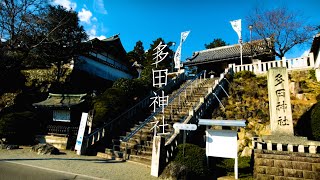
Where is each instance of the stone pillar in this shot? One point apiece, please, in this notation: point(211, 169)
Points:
point(156, 163)
point(318, 74)
point(279, 102)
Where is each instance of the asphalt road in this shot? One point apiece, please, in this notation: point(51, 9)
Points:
point(16, 171)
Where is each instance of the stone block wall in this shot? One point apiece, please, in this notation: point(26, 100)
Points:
point(278, 165)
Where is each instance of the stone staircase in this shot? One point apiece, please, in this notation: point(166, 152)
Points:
point(137, 143)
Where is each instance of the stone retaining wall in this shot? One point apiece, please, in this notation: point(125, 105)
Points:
point(277, 165)
point(277, 161)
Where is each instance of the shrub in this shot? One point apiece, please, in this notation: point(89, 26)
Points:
point(315, 122)
point(312, 74)
point(19, 127)
point(225, 167)
point(108, 105)
point(194, 160)
point(244, 75)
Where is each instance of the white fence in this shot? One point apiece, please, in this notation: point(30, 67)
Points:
point(258, 67)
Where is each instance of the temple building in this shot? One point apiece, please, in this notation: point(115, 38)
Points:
point(106, 59)
point(64, 114)
point(217, 59)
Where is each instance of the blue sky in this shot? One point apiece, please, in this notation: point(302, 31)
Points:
point(147, 20)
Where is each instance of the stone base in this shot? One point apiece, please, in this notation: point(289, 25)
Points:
point(286, 139)
point(56, 141)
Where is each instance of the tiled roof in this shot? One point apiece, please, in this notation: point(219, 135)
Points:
point(111, 45)
point(61, 100)
point(228, 53)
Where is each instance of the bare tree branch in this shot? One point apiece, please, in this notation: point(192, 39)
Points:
point(286, 28)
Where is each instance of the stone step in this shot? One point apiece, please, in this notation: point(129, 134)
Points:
point(141, 153)
point(141, 159)
point(137, 148)
point(104, 155)
point(118, 156)
point(129, 145)
point(142, 136)
point(143, 148)
point(142, 130)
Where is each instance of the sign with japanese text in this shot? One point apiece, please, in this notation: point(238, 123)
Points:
point(279, 102)
point(159, 78)
point(181, 126)
point(81, 131)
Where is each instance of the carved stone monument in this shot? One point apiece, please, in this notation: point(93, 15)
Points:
point(280, 112)
point(279, 102)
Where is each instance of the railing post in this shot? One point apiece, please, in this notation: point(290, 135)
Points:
point(268, 65)
point(233, 66)
point(278, 63)
point(259, 70)
point(264, 67)
point(290, 62)
point(284, 62)
point(125, 151)
point(250, 68)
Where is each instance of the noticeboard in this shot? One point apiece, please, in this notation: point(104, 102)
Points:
point(221, 143)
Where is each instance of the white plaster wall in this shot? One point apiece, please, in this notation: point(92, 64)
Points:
point(317, 65)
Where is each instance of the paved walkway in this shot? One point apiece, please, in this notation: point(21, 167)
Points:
point(90, 166)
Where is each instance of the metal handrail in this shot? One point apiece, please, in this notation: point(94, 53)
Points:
point(189, 118)
point(159, 109)
point(171, 83)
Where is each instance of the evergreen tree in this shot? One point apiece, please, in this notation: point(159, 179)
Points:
point(215, 43)
point(137, 54)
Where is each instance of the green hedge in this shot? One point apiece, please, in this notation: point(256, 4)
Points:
point(194, 159)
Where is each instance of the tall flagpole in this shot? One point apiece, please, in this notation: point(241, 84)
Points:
point(240, 41)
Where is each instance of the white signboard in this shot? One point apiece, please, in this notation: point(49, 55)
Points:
point(221, 143)
point(81, 130)
point(180, 126)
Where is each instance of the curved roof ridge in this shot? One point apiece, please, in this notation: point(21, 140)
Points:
point(217, 48)
point(112, 38)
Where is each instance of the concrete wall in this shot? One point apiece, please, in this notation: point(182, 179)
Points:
point(276, 165)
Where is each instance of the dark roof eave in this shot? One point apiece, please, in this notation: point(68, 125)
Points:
point(59, 106)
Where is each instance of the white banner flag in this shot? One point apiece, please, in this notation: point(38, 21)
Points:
point(236, 25)
point(184, 36)
point(177, 55)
